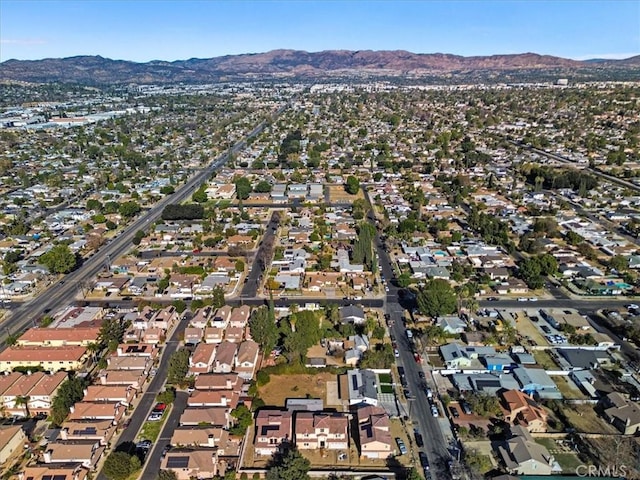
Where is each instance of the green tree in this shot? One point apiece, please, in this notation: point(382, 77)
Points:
point(263, 329)
point(167, 396)
point(437, 298)
point(200, 195)
point(178, 366)
point(180, 305)
point(290, 465)
point(243, 419)
point(60, 259)
point(70, 392)
point(262, 187)
point(352, 185)
point(619, 263)
point(129, 209)
point(243, 188)
point(217, 297)
point(119, 465)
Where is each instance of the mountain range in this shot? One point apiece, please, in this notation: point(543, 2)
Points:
point(287, 63)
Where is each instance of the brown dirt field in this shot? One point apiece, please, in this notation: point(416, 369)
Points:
point(281, 387)
point(337, 194)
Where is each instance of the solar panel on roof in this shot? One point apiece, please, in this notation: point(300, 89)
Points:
point(177, 462)
point(86, 431)
point(59, 477)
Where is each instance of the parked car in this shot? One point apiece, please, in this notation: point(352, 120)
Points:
point(466, 408)
point(419, 440)
point(454, 412)
point(401, 446)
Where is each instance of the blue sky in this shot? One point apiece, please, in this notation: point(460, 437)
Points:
point(143, 30)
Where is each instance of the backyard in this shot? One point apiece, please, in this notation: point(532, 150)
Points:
point(281, 387)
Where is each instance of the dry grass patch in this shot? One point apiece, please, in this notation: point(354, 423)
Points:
point(543, 358)
point(584, 419)
point(568, 389)
point(337, 193)
point(281, 387)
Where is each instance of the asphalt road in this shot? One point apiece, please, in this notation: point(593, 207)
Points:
point(148, 400)
point(64, 291)
point(154, 457)
point(419, 408)
point(254, 278)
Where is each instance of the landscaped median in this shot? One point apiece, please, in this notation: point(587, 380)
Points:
point(151, 429)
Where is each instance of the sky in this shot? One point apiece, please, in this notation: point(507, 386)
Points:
point(144, 30)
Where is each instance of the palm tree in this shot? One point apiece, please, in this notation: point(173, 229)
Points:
point(94, 348)
point(23, 400)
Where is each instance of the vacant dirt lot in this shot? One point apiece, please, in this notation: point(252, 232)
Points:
point(338, 194)
point(281, 387)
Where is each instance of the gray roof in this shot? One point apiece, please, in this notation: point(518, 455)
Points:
point(362, 385)
point(351, 311)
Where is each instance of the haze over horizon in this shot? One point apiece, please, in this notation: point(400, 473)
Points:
point(142, 31)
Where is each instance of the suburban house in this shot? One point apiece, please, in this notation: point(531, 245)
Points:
point(50, 359)
point(622, 413)
point(202, 358)
point(458, 356)
point(523, 456)
point(12, 439)
point(110, 393)
point(273, 428)
point(211, 437)
point(360, 387)
point(314, 430)
point(58, 337)
point(212, 416)
point(213, 398)
point(225, 357)
point(451, 324)
point(247, 359)
point(97, 411)
point(189, 464)
point(88, 430)
point(521, 409)
point(373, 432)
point(219, 381)
point(38, 389)
point(49, 472)
point(536, 381)
point(86, 453)
point(352, 314)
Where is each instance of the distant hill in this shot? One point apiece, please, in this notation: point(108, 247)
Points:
point(281, 63)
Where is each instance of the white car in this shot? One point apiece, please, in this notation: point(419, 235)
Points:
point(523, 299)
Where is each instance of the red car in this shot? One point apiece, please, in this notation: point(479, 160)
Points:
point(417, 357)
point(160, 407)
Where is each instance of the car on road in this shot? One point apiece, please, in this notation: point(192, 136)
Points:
point(523, 299)
point(421, 375)
point(396, 353)
point(428, 393)
point(417, 358)
point(401, 446)
point(434, 411)
point(533, 299)
point(492, 299)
